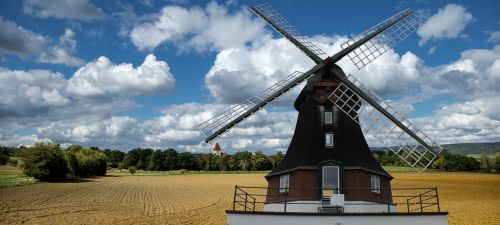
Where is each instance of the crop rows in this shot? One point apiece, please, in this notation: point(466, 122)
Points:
point(202, 198)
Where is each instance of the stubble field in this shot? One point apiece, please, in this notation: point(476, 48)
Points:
point(202, 198)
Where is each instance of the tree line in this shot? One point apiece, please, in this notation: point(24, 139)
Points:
point(48, 161)
point(170, 159)
point(446, 161)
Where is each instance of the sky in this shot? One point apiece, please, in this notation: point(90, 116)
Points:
point(127, 74)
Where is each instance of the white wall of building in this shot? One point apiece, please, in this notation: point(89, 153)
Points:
point(253, 219)
point(312, 207)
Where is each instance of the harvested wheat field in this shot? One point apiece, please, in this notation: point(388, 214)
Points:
point(202, 198)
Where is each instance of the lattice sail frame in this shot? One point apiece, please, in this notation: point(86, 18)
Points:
point(209, 127)
point(383, 130)
point(279, 20)
point(384, 41)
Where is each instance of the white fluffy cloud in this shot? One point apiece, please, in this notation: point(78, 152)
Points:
point(63, 9)
point(27, 93)
point(61, 53)
point(59, 109)
point(469, 121)
point(474, 75)
point(25, 44)
point(448, 22)
point(240, 73)
point(102, 77)
point(208, 29)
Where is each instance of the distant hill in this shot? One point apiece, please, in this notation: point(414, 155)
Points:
point(464, 148)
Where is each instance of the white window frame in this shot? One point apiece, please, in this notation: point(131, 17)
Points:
point(331, 137)
point(328, 117)
point(375, 183)
point(284, 183)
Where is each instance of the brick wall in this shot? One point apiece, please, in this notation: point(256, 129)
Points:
point(362, 179)
point(304, 186)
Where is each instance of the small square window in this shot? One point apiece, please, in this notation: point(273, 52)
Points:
point(329, 140)
point(328, 117)
point(284, 183)
point(375, 183)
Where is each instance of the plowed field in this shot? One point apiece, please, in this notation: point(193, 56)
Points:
point(202, 198)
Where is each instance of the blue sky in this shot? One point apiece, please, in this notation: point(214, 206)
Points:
point(124, 74)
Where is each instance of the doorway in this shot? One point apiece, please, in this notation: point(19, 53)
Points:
point(330, 180)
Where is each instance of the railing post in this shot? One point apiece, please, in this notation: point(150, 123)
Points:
point(246, 200)
point(408, 204)
point(253, 204)
point(234, 197)
point(387, 196)
point(286, 198)
point(421, 206)
point(437, 198)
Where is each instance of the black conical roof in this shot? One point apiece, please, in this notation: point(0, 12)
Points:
point(307, 148)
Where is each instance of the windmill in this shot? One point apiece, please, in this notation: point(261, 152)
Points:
point(328, 150)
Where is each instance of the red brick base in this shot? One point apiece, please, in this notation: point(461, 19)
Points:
point(304, 185)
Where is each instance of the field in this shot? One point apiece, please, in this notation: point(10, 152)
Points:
point(202, 198)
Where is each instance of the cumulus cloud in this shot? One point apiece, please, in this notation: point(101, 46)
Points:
point(175, 127)
point(447, 23)
point(240, 73)
point(17, 40)
point(26, 93)
point(202, 29)
point(494, 37)
point(469, 121)
point(61, 53)
point(474, 75)
point(25, 43)
point(63, 9)
point(102, 77)
point(57, 109)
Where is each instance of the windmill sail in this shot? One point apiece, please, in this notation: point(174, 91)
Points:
point(408, 22)
point(280, 24)
point(220, 124)
point(386, 125)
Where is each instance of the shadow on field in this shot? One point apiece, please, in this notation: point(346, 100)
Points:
point(74, 180)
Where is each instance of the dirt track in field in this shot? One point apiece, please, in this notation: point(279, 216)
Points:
point(202, 198)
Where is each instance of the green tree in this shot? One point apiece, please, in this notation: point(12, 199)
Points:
point(156, 160)
point(243, 160)
point(114, 157)
point(170, 161)
point(497, 164)
point(260, 162)
point(132, 169)
point(4, 159)
point(439, 163)
point(485, 163)
point(223, 162)
point(187, 161)
point(46, 162)
point(276, 158)
point(91, 161)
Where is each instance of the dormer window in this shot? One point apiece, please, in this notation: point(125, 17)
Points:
point(329, 140)
point(328, 117)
